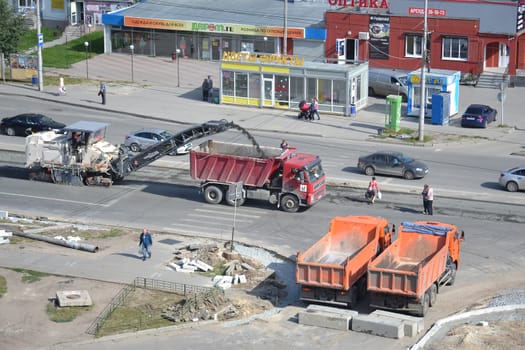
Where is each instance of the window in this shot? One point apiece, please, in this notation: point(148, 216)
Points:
point(413, 45)
point(455, 48)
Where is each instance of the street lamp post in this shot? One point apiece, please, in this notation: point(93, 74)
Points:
point(131, 47)
point(178, 70)
point(86, 44)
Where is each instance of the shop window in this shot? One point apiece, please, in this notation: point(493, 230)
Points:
point(255, 85)
point(325, 95)
point(311, 89)
point(228, 83)
point(241, 84)
point(281, 88)
point(296, 89)
point(413, 45)
point(339, 92)
point(455, 48)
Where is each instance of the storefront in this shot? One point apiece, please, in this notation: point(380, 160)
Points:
point(284, 81)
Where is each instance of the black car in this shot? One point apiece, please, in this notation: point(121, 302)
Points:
point(392, 163)
point(28, 123)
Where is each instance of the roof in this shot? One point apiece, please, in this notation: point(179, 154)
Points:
point(253, 12)
point(88, 126)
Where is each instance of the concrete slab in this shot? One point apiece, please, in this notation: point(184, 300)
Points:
point(413, 324)
point(74, 298)
point(331, 309)
point(381, 326)
point(325, 319)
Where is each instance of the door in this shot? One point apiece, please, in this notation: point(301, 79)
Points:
point(215, 49)
point(503, 55)
point(74, 19)
point(352, 46)
point(269, 95)
point(491, 55)
point(340, 47)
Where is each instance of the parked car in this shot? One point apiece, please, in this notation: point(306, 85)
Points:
point(392, 163)
point(140, 140)
point(478, 116)
point(384, 82)
point(513, 179)
point(28, 123)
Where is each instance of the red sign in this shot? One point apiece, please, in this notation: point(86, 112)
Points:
point(373, 4)
point(430, 12)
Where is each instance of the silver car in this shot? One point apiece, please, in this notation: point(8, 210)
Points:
point(513, 179)
point(140, 140)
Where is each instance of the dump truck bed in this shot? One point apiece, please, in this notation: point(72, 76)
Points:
point(341, 256)
point(231, 162)
point(411, 264)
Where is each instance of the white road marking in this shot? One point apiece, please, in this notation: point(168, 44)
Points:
point(230, 212)
point(53, 199)
point(230, 218)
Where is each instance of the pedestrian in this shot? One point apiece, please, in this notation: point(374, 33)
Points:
point(145, 243)
point(284, 144)
point(430, 200)
point(373, 189)
point(425, 201)
point(314, 109)
point(102, 92)
point(61, 87)
point(205, 89)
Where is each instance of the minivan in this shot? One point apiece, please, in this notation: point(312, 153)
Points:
point(384, 82)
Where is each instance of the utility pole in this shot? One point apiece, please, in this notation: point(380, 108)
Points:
point(39, 46)
point(285, 34)
point(423, 102)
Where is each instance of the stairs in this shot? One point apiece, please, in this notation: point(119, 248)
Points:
point(73, 32)
point(490, 80)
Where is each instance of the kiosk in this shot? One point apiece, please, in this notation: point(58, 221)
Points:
point(436, 81)
point(284, 81)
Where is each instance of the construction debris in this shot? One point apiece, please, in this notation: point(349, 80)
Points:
point(199, 306)
point(3, 236)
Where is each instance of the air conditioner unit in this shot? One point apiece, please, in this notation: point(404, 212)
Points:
point(364, 36)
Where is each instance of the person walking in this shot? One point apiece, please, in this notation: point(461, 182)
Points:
point(284, 144)
point(425, 201)
point(145, 243)
point(210, 88)
point(373, 189)
point(205, 89)
point(61, 87)
point(314, 109)
point(430, 200)
point(102, 92)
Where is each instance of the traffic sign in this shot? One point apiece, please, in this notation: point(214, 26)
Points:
point(40, 39)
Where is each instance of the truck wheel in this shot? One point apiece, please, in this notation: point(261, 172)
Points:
point(452, 274)
point(425, 305)
point(369, 171)
point(213, 194)
point(290, 203)
point(433, 295)
point(231, 202)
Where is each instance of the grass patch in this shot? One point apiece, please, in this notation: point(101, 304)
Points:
point(103, 234)
point(29, 38)
point(65, 314)
point(3, 286)
point(30, 276)
point(141, 310)
point(63, 56)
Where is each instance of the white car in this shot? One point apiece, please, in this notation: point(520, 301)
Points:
point(140, 140)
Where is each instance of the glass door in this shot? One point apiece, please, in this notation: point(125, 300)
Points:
point(269, 95)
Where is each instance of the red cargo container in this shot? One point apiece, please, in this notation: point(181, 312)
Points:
point(283, 177)
point(333, 270)
point(408, 274)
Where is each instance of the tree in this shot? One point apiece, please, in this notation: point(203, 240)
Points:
point(11, 28)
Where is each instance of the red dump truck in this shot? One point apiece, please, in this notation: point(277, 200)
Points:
point(408, 274)
point(235, 172)
point(333, 270)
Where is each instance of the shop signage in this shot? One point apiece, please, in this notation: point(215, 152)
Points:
point(241, 29)
point(420, 11)
point(246, 57)
point(430, 80)
point(373, 4)
point(379, 29)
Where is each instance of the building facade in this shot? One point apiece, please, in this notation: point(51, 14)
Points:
point(463, 35)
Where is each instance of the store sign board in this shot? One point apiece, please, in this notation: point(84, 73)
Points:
point(240, 29)
point(372, 4)
point(420, 11)
point(246, 57)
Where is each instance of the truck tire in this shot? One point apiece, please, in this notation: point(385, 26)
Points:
point(453, 270)
point(289, 203)
point(213, 194)
point(433, 294)
point(425, 305)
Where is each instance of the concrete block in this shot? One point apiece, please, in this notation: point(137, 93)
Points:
point(242, 279)
point(381, 326)
point(4, 240)
point(4, 214)
point(325, 319)
point(202, 265)
point(330, 309)
point(73, 298)
point(413, 324)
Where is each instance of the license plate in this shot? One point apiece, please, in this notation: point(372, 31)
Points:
point(470, 118)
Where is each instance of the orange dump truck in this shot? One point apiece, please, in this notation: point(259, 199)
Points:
point(333, 270)
point(408, 274)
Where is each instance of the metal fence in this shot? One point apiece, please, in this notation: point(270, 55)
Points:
point(145, 283)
